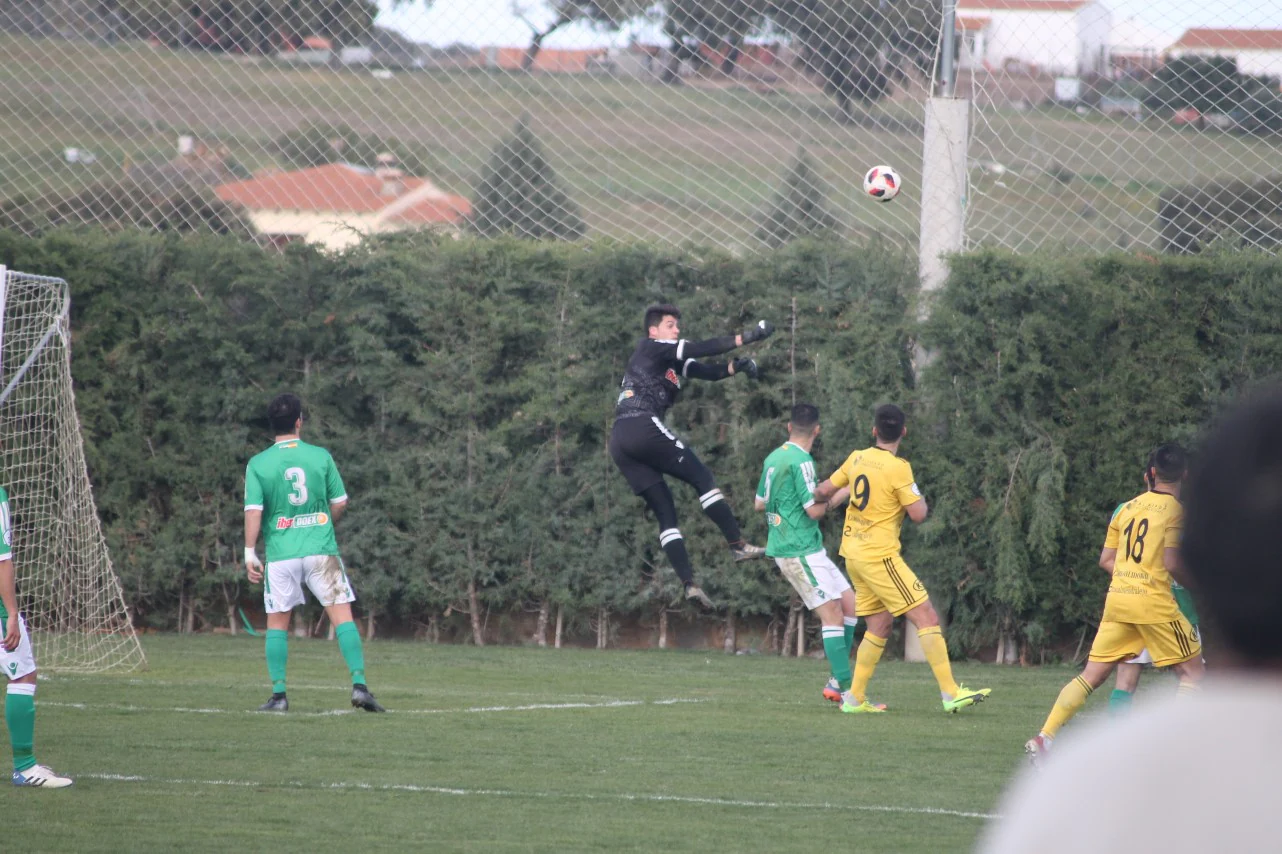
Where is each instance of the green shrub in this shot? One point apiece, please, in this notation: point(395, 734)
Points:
point(1232, 214)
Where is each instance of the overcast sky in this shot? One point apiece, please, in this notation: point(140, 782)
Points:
point(492, 22)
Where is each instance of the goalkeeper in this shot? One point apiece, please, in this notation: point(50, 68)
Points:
point(645, 450)
point(298, 488)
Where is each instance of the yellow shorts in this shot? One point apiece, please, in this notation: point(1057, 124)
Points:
point(1168, 643)
point(884, 584)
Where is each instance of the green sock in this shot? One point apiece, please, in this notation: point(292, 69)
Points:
point(20, 716)
point(277, 655)
point(838, 655)
point(349, 643)
point(849, 626)
point(1119, 701)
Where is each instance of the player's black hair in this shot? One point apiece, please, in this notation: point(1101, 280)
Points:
point(1232, 515)
point(805, 416)
point(1169, 462)
point(283, 412)
point(654, 315)
point(888, 420)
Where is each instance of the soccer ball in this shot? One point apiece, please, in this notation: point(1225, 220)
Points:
point(882, 183)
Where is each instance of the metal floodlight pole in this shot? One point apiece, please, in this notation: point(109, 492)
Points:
point(948, 72)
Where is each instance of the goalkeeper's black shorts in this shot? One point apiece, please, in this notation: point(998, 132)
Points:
point(645, 450)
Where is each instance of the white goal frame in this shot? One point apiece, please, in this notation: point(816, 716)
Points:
point(68, 591)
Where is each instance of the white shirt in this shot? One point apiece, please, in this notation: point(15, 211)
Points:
point(1185, 774)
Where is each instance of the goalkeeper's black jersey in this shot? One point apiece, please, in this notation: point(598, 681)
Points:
point(653, 377)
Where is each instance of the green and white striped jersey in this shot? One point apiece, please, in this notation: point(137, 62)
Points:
point(787, 486)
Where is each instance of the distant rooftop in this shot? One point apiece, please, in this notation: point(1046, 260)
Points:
point(344, 188)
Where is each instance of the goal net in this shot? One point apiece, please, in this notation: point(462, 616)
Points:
point(67, 589)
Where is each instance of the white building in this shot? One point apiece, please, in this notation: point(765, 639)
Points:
point(1043, 36)
point(1136, 46)
point(1256, 51)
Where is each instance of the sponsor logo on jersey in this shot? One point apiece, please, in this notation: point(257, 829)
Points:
point(671, 376)
point(916, 491)
point(625, 394)
point(309, 520)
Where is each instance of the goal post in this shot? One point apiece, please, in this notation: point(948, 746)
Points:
point(67, 588)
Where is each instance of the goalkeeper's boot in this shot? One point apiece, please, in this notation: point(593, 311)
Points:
point(363, 699)
point(42, 777)
point(1037, 749)
point(851, 706)
point(278, 703)
point(744, 550)
point(695, 596)
point(832, 691)
point(964, 698)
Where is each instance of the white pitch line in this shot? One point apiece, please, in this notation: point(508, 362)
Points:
point(507, 793)
point(532, 707)
point(412, 690)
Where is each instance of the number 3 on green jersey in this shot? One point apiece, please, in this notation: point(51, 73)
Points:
point(294, 484)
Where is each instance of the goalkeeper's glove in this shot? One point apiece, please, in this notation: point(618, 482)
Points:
point(763, 330)
point(747, 366)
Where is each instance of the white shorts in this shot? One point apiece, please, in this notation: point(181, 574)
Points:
point(324, 574)
point(21, 661)
point(1143, 658)
point(815, 578)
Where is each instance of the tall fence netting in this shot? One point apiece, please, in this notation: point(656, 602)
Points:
point(731, 123)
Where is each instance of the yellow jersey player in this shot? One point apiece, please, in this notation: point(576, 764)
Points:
point(882, 492)
point(1141, 552)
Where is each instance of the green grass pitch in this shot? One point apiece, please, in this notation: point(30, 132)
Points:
point(517, 750)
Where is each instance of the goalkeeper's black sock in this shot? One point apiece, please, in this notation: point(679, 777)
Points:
point(719, 511)
point(674, 546)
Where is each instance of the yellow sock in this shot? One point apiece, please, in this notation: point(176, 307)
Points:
point(1068, 703)
point(1187, 689)
point(936, 650)
point(866, 658)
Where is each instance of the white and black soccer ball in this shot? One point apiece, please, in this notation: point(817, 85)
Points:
point(882, 183)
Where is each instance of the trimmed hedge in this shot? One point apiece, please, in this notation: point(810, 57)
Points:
point(466, 389)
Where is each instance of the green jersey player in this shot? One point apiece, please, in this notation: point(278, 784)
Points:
point(19, 665)
point(785, 493)
point(296, 488)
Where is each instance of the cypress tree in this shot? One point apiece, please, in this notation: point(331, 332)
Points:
point(519, 193)
point(799, 208)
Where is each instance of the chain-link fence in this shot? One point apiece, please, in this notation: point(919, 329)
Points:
point(734, 123)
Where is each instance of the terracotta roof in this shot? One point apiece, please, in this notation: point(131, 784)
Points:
point(1231, 39)
point(429, 211)
point(1021, 5)
point(343, 188)
point(967, 23)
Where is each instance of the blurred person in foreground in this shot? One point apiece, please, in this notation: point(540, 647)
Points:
point(1216, 751)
